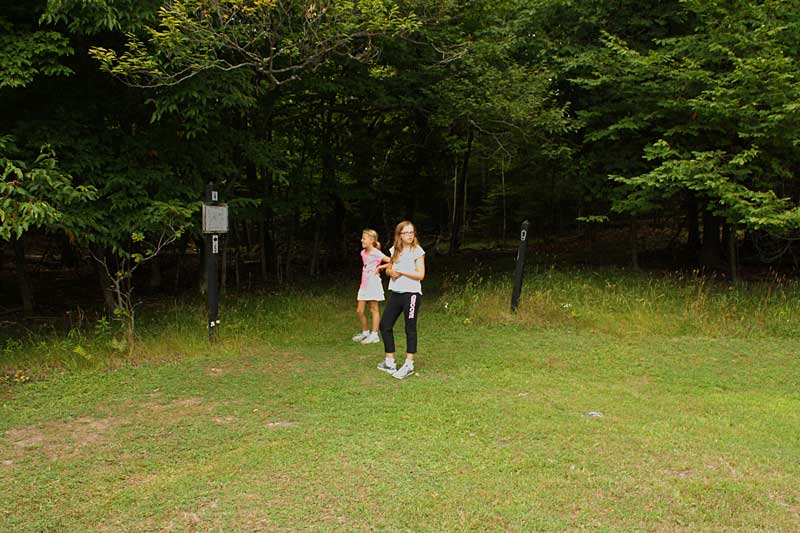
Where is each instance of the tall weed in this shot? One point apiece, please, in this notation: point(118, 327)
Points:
point(631, 303)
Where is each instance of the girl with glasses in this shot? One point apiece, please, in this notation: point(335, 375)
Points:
point(406, 270)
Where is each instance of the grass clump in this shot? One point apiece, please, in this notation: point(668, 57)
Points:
point(630, 303)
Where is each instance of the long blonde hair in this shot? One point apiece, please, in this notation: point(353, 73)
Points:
point(399, 245)
point(372, 234)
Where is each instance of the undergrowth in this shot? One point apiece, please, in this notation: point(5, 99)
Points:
point(609, 301)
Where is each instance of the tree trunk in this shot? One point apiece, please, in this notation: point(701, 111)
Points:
point(288, 268)
point(458, 211)
point(421, 154)
point(269, 250)
point(248, 234)
point(236, 269)
point(504, 231)
point(202, 279)
point(454, 207)
point(223, 260)
point(69, 257)
point(23, 280)
point(330, 208)
point(262, 256)
point(313, 267)
point(104, 281)
point(693, 240)
point(237, 252)
point(2, 257)
point(634, 239)
point(179, 257)
point(155, 274)
point(588, 249)
point(233, 249)
point(465, 198)
point(363, 151)
point(711, 251)
point(733, 257)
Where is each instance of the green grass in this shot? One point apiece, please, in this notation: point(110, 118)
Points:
point(286, 424)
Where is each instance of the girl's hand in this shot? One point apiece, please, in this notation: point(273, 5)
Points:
point(392, 273)
point(384, 267)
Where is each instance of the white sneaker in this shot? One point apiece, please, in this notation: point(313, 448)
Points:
point(386, 368)
point(403, 372)
point(372, 338)
point(358, 337)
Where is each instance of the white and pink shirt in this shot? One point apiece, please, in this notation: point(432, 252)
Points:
point(372, 261)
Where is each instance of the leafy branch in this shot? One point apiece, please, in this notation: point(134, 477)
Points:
point(37, 193)
point(277, 39)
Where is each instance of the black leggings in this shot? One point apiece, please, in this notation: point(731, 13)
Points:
point(408, 304)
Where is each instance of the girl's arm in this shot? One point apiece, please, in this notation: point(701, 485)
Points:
point(419, 270)
point(387, 262)
point(390, 271)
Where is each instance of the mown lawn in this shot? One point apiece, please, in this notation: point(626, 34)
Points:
point(584, 421)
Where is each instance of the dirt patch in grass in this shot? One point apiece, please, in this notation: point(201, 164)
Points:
point(139, 480)
point(557, 363)
point(172, 412)
point(678, 473)
point(64, 439)
point(203, 518)
point(792, 507)
point(60, 439)
point(187, 402)
point(256, 361)
point(282, 424)
point(254, 520)
point(176, 521)
point(254, 515)
point(27, 437)
point(260, 513)
point(175, 411)
point(639, 381)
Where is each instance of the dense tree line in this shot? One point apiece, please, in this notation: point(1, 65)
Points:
point(318, 118)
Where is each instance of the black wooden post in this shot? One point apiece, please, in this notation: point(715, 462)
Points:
point(523, 246)
point(212, 255)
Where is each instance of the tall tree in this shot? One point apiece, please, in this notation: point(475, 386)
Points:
point(36, 194)
point(721, 99)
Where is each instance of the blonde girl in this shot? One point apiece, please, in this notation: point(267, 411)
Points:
point(406, 270)
point(371, 289)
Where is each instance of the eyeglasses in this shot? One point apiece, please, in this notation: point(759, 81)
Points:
point(406, 233)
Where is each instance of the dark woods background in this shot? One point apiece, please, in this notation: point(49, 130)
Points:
point(655, 133)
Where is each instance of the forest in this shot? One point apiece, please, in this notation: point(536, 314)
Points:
point(644, 378)
point(318, 118)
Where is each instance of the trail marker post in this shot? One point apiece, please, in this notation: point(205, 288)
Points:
point(523, 246)
point(215, 224)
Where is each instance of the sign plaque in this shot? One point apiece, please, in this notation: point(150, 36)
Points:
point(215, 218)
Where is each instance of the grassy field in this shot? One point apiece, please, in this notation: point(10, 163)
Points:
point(611, 400)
